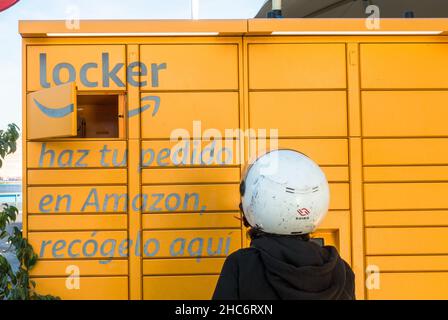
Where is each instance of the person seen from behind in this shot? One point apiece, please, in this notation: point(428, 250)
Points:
point(284, 198)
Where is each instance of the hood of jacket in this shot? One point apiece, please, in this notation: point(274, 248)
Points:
point(299, 269)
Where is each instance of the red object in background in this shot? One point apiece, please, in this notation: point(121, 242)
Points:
point(5, 4)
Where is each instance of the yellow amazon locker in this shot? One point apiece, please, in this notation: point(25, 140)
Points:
point(134, 145)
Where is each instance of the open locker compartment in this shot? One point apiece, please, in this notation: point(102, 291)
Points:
point(63, 112)
point(100, 115)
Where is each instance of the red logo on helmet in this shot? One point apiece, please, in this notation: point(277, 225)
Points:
point(303, 212)
point(5, 4)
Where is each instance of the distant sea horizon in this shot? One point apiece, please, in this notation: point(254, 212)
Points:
point(15, 186)
point(11, 193)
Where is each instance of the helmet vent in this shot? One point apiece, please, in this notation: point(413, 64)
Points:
point(290, 190)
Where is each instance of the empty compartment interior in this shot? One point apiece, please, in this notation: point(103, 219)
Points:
point(98, 116)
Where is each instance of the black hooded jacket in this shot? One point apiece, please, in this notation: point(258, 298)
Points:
point(285, 267)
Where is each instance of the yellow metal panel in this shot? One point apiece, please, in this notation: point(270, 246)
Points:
point(97, 61)
point(35, 28)
point(91, 288)
point(267, 26)
point(133, 97)
point(409, 263)
point(339, 196)
point(404, 65)
point(190, 266)
point(192, 197)
point(244, 109)
point(38, 28)
point(76, 154)
point(77, 199)
point(335, 229)
point(24, 142)
point(77, 222)
point(336, 174)
point(191, 153)
point(410, 113)
point(392, 196)
point(297, 66)
point(52, 113)
point(190, 243)
point(401, 241)
point(357, 215)
point(323, 151)
point(179, 287)
point(64, 268)
point(191, 175)
point(406, 173)
point(135, 220)
point(407, 218)
point(353, 92)
point(295, 114)
point(77, 176)
point(211, 110)
point(404, 151)
point(134, 176)
point(79, 244)
point(191, 220)
point(411, 286)
point(192, 67)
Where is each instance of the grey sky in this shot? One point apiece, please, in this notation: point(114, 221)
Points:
point(10, 41)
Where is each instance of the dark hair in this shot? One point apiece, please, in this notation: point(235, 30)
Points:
point(257, 232)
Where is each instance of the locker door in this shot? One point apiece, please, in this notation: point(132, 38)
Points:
point(189, 223)
point(52, 113)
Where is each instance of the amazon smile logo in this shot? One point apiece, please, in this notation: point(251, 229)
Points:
point(55, 113)
point(142, 109)
point(65, 111)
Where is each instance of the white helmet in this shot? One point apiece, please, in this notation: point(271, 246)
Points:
point(284, 192)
